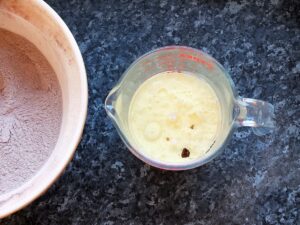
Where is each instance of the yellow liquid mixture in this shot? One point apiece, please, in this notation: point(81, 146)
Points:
point(174, 117)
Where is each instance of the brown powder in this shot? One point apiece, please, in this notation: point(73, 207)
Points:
point(30, 110)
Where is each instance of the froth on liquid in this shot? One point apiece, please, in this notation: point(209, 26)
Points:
point(174, 117)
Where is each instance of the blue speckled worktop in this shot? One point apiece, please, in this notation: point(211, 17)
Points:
point(255, 181)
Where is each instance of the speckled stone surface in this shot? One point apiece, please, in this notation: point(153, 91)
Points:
point(255, 181)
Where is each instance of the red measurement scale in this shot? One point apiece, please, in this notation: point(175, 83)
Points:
point(177, 62)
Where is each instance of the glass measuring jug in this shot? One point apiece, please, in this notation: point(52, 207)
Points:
point(235, 110)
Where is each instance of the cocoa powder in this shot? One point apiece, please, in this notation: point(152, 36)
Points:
point(30, 110)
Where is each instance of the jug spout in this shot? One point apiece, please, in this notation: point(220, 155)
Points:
point(110, 103)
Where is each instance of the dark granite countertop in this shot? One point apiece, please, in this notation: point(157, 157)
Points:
point(255, 181)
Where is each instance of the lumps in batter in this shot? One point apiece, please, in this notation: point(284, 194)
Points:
point(174, 117)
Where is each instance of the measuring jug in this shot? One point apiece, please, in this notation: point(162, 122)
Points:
point(236, 111)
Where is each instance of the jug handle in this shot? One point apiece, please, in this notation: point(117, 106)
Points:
point(256, 114)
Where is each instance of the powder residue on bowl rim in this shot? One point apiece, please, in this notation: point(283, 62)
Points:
point(30, 110)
